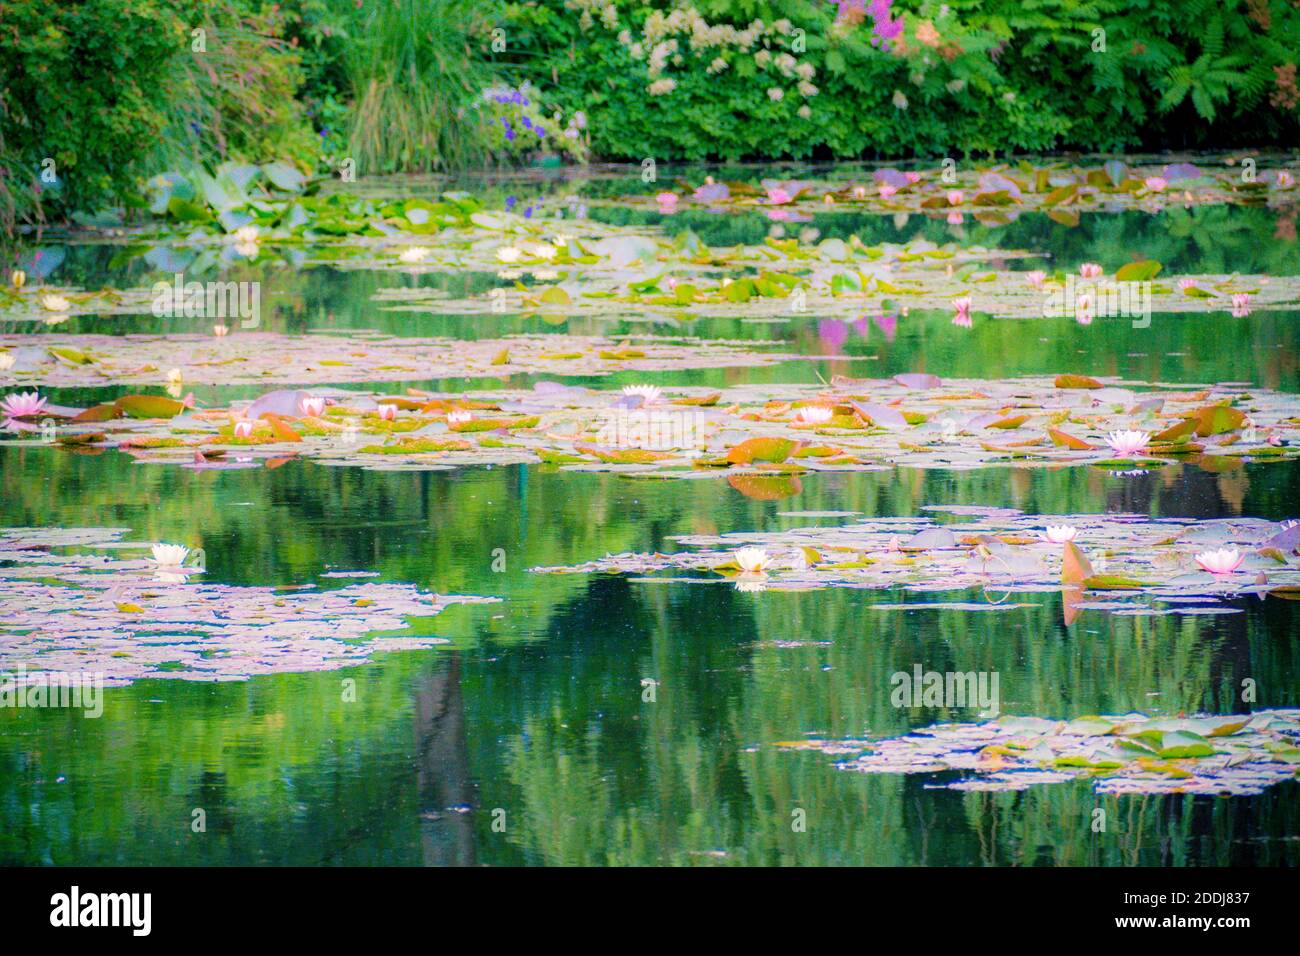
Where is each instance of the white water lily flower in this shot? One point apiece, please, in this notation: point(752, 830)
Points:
point(55, 303)
point(170, 555)
point(753, 559)
point(545, 251)
point(221, 330)
point(814, 414)
point(6, 361)
point(175, 376)
point(414, 254)
point(1223, 561)
point(545, 275)
point(1060, 533)
point(649, 393)
point(1128, 443)
point(508, 254)
point(245, 234)
point(458, 417)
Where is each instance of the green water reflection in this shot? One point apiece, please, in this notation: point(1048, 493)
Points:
point(536, 708)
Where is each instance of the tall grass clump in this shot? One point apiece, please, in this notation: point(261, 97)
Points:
point(416, 69)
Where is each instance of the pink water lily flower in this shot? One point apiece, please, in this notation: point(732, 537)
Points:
point(1126, 444)
point(778, 196)
point(1285, 180)
point(1156, 184)
point(1185, 284)
point(243, 429)
point(1083, 310)
point(962, 307)
point(1223, 561)
point(1241, 305)
point(23, 405)
point(1036, 278)
point(955, 218)
point(955, 197)
point(311, 407)
point(1060, 533)
point(886, 190)
point(667, 201)
point(388, 412)
point(912, 177)
point(1090, 270)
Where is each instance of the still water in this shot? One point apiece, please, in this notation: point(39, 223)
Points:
point(528, 739)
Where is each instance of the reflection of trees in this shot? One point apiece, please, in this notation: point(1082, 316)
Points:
point(603, 777)
point(442, 770)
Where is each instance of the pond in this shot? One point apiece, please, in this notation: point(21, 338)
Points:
point(637, 715)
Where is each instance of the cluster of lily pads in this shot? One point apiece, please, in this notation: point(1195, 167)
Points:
point(1233, 755)
point(85, 600)
point(1119, 563)
point(760, 431)
point(1062, 189)
point(249, 358)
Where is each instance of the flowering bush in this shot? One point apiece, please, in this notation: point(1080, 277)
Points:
point(518, 126)
point(757, 78)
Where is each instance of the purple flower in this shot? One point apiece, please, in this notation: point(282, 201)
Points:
point(510, 203)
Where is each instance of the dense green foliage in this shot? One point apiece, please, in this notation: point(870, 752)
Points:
point(99, 94)
point(113, 91)
point(758, 79)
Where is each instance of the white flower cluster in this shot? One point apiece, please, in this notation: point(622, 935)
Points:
point(660, 38)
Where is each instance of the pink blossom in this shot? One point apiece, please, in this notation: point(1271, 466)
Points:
point(1241, 305)
point(1156, 184)
point(955, 197)
point(243, 429)
point(1090, 270)
point(311, 407)
point(388, 412)
point(23, 404)
point(1036, 278)
point(1223, 561)
point(778, 196)
point(961, 312)
point(1083, 310)
point(886, 190)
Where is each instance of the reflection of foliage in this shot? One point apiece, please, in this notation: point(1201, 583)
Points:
point(288, 773)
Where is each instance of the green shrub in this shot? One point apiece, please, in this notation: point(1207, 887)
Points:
point(754, 79)
point(85, 85)
point(103, 93)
